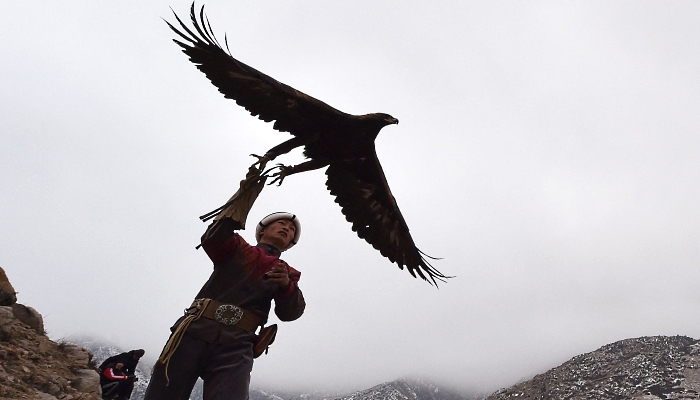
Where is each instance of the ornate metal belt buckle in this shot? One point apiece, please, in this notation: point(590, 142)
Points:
point(228, 314)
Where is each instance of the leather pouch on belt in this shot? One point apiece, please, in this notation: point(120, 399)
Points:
point(264, 339)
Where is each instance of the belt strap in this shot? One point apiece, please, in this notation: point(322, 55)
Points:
point(192, 314)
point(229, 314)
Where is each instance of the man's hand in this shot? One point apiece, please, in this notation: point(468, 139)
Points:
point(279, 274)
point(238, 206)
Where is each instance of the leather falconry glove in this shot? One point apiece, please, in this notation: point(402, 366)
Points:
point(239, 205)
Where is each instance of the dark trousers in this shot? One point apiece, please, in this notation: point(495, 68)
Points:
point(224, 368)
point(118, 390)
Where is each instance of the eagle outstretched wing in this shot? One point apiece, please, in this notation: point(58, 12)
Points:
point(361, 190)
point(263, 96)
point(343, 142)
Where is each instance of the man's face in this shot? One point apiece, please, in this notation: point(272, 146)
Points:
point(118, 366)
point(279, 233)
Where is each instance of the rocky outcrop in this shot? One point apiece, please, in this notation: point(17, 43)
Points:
point(7, 318)
point(34, 367)
point(649, 368)
point(29, 317)
point(8, 296)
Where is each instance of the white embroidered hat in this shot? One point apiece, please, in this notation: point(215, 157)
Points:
point(274, 217)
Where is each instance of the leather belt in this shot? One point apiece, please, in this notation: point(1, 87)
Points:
point(228, 314)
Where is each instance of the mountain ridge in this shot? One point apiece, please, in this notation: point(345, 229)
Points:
point(648, 367)
point(32, 367)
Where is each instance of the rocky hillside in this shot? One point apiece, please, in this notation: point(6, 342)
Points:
point(648, 368)
point(34, 367)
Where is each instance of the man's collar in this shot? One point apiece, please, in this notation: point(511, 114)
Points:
point(269, 249)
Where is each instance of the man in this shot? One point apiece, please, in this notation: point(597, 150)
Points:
point(116, 384)
point(129, 360)
point(214, 340)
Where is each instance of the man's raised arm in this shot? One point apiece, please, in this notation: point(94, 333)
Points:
point(232, 215)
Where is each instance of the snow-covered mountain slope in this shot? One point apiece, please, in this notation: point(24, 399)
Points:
point(649, 368)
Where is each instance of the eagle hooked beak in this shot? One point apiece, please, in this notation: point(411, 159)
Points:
point(392, 120)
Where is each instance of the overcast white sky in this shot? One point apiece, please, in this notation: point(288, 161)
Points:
point(547, 151)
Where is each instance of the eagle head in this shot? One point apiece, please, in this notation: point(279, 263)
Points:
point(388, 119)
point(379, 120)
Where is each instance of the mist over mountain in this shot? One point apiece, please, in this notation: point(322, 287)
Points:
point(408, 389)
point(649, 368)
point(400, 389)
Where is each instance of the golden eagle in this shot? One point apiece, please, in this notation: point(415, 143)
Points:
point(342, 142)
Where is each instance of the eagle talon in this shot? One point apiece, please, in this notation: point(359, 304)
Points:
point(262, 161)
point(284, 171)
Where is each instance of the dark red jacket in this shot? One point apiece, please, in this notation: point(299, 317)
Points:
point(238, 279)
point(112, 374)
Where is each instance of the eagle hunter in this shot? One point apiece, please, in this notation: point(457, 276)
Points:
point(331, 138)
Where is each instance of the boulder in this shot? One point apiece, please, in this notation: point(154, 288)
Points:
point(46, 396)
point(7, 318)
point(77, 354)
point(29, 316)
point(8, 296)
point(87, 381)
point(52, 388)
